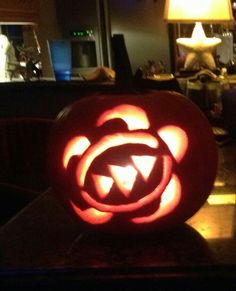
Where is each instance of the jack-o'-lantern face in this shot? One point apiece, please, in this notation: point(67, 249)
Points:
point(128, 163)
point(127, 172)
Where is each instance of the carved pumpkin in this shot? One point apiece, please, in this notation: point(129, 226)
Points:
point(132, 162)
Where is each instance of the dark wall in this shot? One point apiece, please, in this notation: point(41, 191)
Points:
point(44, 98)
point(75, 15)
point(140, 21)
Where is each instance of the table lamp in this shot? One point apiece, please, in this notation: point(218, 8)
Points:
point(199, 46)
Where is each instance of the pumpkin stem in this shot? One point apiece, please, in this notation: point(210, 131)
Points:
point(124, 76)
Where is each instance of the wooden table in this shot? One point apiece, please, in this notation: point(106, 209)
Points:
point(42, 247)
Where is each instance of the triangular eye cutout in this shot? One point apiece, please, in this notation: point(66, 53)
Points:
point(102, 185)
point(124, 178)
point(144, 164)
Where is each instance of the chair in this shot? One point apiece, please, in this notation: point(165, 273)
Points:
point(23, 156)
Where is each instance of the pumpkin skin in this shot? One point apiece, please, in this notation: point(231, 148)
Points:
point(131, 163)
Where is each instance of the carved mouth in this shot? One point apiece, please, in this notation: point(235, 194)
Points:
point(129, 207)
point(137, 139)
point(159, 193)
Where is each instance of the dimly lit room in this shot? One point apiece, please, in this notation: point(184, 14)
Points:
point(117, 144)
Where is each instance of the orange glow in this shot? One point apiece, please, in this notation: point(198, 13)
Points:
point(169, 187)
point(92, 215)
point(176, 140)
point(76, 146)
point(133, 116)
point(157, 192)
point(124, 177)
point(108, 142)
point(144, 164)
point(169, 200)
point(103, 185)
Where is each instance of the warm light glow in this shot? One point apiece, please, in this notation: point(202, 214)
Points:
point(23, 64)
point(76, 146)
point(171, 193)
point(211, 11)
point(214, 222)
point(222, 199)
point(129, 207)
point(169, 200)
point(92, 215)
point(198, 41)
point(133, 116)
point(108, 142)
point(144, 164)
point(102, 185)
point(198, 34)
point(168, 191)
point(176, 140)
point(124, 177)
point(199, 46)
point(219, 183)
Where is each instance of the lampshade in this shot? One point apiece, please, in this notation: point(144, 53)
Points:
point(208, 11)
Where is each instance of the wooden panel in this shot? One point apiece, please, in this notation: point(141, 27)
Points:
point(19, 11)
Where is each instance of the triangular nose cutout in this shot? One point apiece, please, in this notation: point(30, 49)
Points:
point(124, 178)
point(102, 185)
point(144, 164)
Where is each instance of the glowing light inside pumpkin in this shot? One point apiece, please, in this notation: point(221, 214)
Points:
point(92, 215)
point(171, 194)
point(124, 177)
point(167, 193)
point(108, 142)
point(76, 146)
point(144, 164)
point(176, 139)
point(169, 200)
point(129, 207)
point(134, 117)
point(102, 184)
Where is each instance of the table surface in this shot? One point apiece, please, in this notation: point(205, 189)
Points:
point(43, 242)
